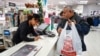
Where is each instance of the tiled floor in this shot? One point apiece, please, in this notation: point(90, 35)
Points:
point(92, 41)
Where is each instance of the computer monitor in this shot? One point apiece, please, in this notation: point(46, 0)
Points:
point(42, 27)
point(6, 33)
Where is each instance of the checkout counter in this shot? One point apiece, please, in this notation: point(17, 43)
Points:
point(47, 46)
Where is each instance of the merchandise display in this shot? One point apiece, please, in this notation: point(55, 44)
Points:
point(28, 5)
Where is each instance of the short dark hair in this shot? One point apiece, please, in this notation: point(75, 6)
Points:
point(61, 13)
point(35, 16)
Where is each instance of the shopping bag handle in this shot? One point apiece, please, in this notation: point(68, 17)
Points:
point(66, 25)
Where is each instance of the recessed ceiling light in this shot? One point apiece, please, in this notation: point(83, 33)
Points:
point(62, 2)
point(98, 3)
point(83, 2)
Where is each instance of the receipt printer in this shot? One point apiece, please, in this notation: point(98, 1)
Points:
point(49, 33)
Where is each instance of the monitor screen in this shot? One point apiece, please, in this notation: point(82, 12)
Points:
point(6, 32)
point(43, 26)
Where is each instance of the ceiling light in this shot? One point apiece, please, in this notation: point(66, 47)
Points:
point(98, 3)
point(83, 2)
point(62, 2)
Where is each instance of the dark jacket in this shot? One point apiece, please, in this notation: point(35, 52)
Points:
point(81, 27)
point(21, 34)
point(90, 21)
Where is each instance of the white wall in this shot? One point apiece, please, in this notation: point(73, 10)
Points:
point(92, 7)
point(86, 9)
point(78, 8)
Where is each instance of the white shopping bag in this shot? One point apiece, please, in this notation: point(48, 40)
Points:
point(77, 44)
point(69, 39)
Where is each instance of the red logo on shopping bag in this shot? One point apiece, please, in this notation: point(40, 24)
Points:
point(68, 47)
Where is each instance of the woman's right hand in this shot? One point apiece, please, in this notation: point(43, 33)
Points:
point(37, 38)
